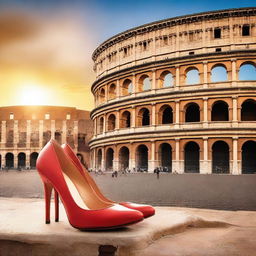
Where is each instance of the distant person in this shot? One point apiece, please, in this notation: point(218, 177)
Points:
point(157, 172)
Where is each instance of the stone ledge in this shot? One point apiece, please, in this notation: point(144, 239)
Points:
point(23, 232)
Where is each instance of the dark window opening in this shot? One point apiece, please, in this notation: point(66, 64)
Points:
point(218, 50)
point(191, 53)
point(217, 33)
point(246, 30)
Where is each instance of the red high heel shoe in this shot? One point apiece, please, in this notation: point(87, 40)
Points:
point(147, 210)
point(91, 213)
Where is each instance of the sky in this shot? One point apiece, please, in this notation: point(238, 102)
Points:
point(46, 46)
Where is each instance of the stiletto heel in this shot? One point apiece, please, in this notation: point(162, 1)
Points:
point(47, 196)
point(85, 210)
point(147, 210)
point(56, 202)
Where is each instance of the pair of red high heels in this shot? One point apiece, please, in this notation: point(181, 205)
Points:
point(86, 207)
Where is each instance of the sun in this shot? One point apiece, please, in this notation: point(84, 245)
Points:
point(33, 95)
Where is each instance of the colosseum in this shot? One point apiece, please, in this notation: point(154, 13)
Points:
point(26, 129)
point(178, 93)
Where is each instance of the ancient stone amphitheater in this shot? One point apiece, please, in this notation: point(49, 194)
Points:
point(24, 130)
point(178, 93)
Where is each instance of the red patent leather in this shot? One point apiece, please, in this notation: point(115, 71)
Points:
point(49, 168)
point(146, 210)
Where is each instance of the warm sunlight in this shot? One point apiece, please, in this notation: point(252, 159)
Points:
point(33, 95)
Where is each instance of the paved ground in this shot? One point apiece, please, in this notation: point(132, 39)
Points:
point(224, 192)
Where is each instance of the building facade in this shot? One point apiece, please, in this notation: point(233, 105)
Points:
point(178, 93)
point(26, 129)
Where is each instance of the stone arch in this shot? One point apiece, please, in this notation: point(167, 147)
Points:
point(127, 87)
point(192, 76)
point(111, 122)
point(166, 79)
point(109, 159)
point(249, 157)
point(124, 156)
point(112, 91)
point(144, 83)
point(58, 136)
point(99, 159)
point(9, 160)
point(144, 117)
point(191, 157)
point(220, 111)
point(219, 73)
point(102, 95)
point(33, 158)
point(125, 119)
point(166, 114)
point(248, 110)
point(165, 156)
point(192, 112)
point(21, 160)
point(247, 71)
point(142, 158)
point(220, 157)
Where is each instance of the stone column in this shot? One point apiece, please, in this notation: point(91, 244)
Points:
point(52, 129)
point(152, 162)
point(133, 124)
point(96, 131)
point(16, 133)
point(153, 123)
point(205, 76)
point(204, 168)
point(28, 139)
point(235, 119)
point(177, 114)
point(177, 78)
point(27, 159)
point(176, 162)
point(132, 157)
point(94, 159)
point(64, 132)
point(15, 160)
point(233, 72)
point(104, 124)
point(118, 89)
point(3, 138)
point(133, 83)
point(117, 119)
point(103, 167)
point(41, 133)
point(76, 135)
point(205, 111)
point(153, 81)
point(115, 159)
point(235, 170)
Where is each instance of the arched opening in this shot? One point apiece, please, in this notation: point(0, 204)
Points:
point(247, 71)
point(126, 119)
point(102, 95)
point(166, 114)
point(192, 76)
point(248, 110)
point(144, 117)
point(21, 160)
point(124, 156)
point(109, 159)
point(144, 83)
point(248, 157)
point(220, 157)
point(112, 91)
point(9, 160)
point(220, 111)
point(165, 156)
point(142, 158)
point(191, 157)
point(101, 124)
point(219, 74)
point(192, 113)
point(111, 122)
point(127, 87)
point(167, 79)
point(33, 158)
point(57, 136)
point(99, 159)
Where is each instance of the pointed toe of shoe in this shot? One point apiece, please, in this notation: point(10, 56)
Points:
point(146, 210)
